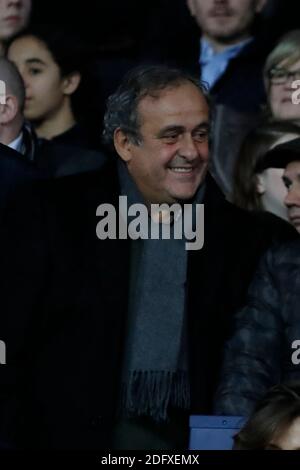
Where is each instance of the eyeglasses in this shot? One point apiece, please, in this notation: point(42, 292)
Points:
point(279, 76)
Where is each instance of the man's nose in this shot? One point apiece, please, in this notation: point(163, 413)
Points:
point(25, 79)
point(292, 198)
point(188, 148)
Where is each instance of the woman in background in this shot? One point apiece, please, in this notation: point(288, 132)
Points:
point(282, 68)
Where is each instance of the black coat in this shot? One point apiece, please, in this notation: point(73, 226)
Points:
point(260, 353)
point(67, 155)
point(64, 304)
point(14, 173)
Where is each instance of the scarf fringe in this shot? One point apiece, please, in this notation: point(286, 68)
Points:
point(150, 393)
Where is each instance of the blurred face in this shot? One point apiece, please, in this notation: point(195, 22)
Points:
point(280, 96)
point(14, 16)
point(288, 439)
point(225, 20)
point(274, 192)
point(43, 82)
point(171, 162)
point(291, 180)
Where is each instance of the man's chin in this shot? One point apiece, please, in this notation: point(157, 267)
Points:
point(186, 190)
point(224, 35)
point(183, 196)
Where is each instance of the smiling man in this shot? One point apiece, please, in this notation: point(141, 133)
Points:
point(171, 160)
point(125, 335)
point(14, 16)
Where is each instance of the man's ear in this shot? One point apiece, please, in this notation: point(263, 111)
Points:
point(260, 5)
point(9, 110)
point(191, 6)
point(71, 83)
point(122, 145)
point(260, 184)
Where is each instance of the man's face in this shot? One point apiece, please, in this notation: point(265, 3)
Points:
point(273, 191)
point(225, 20)
point(171, 162)
point(14, 16)
point(291, 180)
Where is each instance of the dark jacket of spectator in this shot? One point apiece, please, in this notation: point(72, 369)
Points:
point(80, 136)
point(260, 352)
point(238, 98)
point(64, 156)
point(14, 173)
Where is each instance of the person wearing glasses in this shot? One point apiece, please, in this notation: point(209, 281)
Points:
point(282, 68)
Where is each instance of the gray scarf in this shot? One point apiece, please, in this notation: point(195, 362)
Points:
point(155, 368)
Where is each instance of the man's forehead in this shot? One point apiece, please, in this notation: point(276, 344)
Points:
point(248, 4)
point(185, 97)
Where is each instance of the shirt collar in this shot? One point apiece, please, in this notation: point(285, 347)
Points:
point(208, 52)
point(17, 143)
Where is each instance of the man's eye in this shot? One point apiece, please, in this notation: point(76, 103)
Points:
point(171, 138)
point(287, 183)
point(200, 136)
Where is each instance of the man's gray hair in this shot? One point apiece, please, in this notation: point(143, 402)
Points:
point(122, 106)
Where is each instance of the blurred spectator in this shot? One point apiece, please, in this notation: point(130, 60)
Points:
point(289, 156)
point(13, 132)
point(15, 139)
point(227, 29)
point(275, 423)
point(54, 159)
point(281, 69)
point(257, 184)
point(231, 61)
point(291, 180)
point(16, 175)
point(14, 16)
point(51, 62)
point(264, 347)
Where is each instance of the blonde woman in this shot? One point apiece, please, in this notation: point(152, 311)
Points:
point(282, 68)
